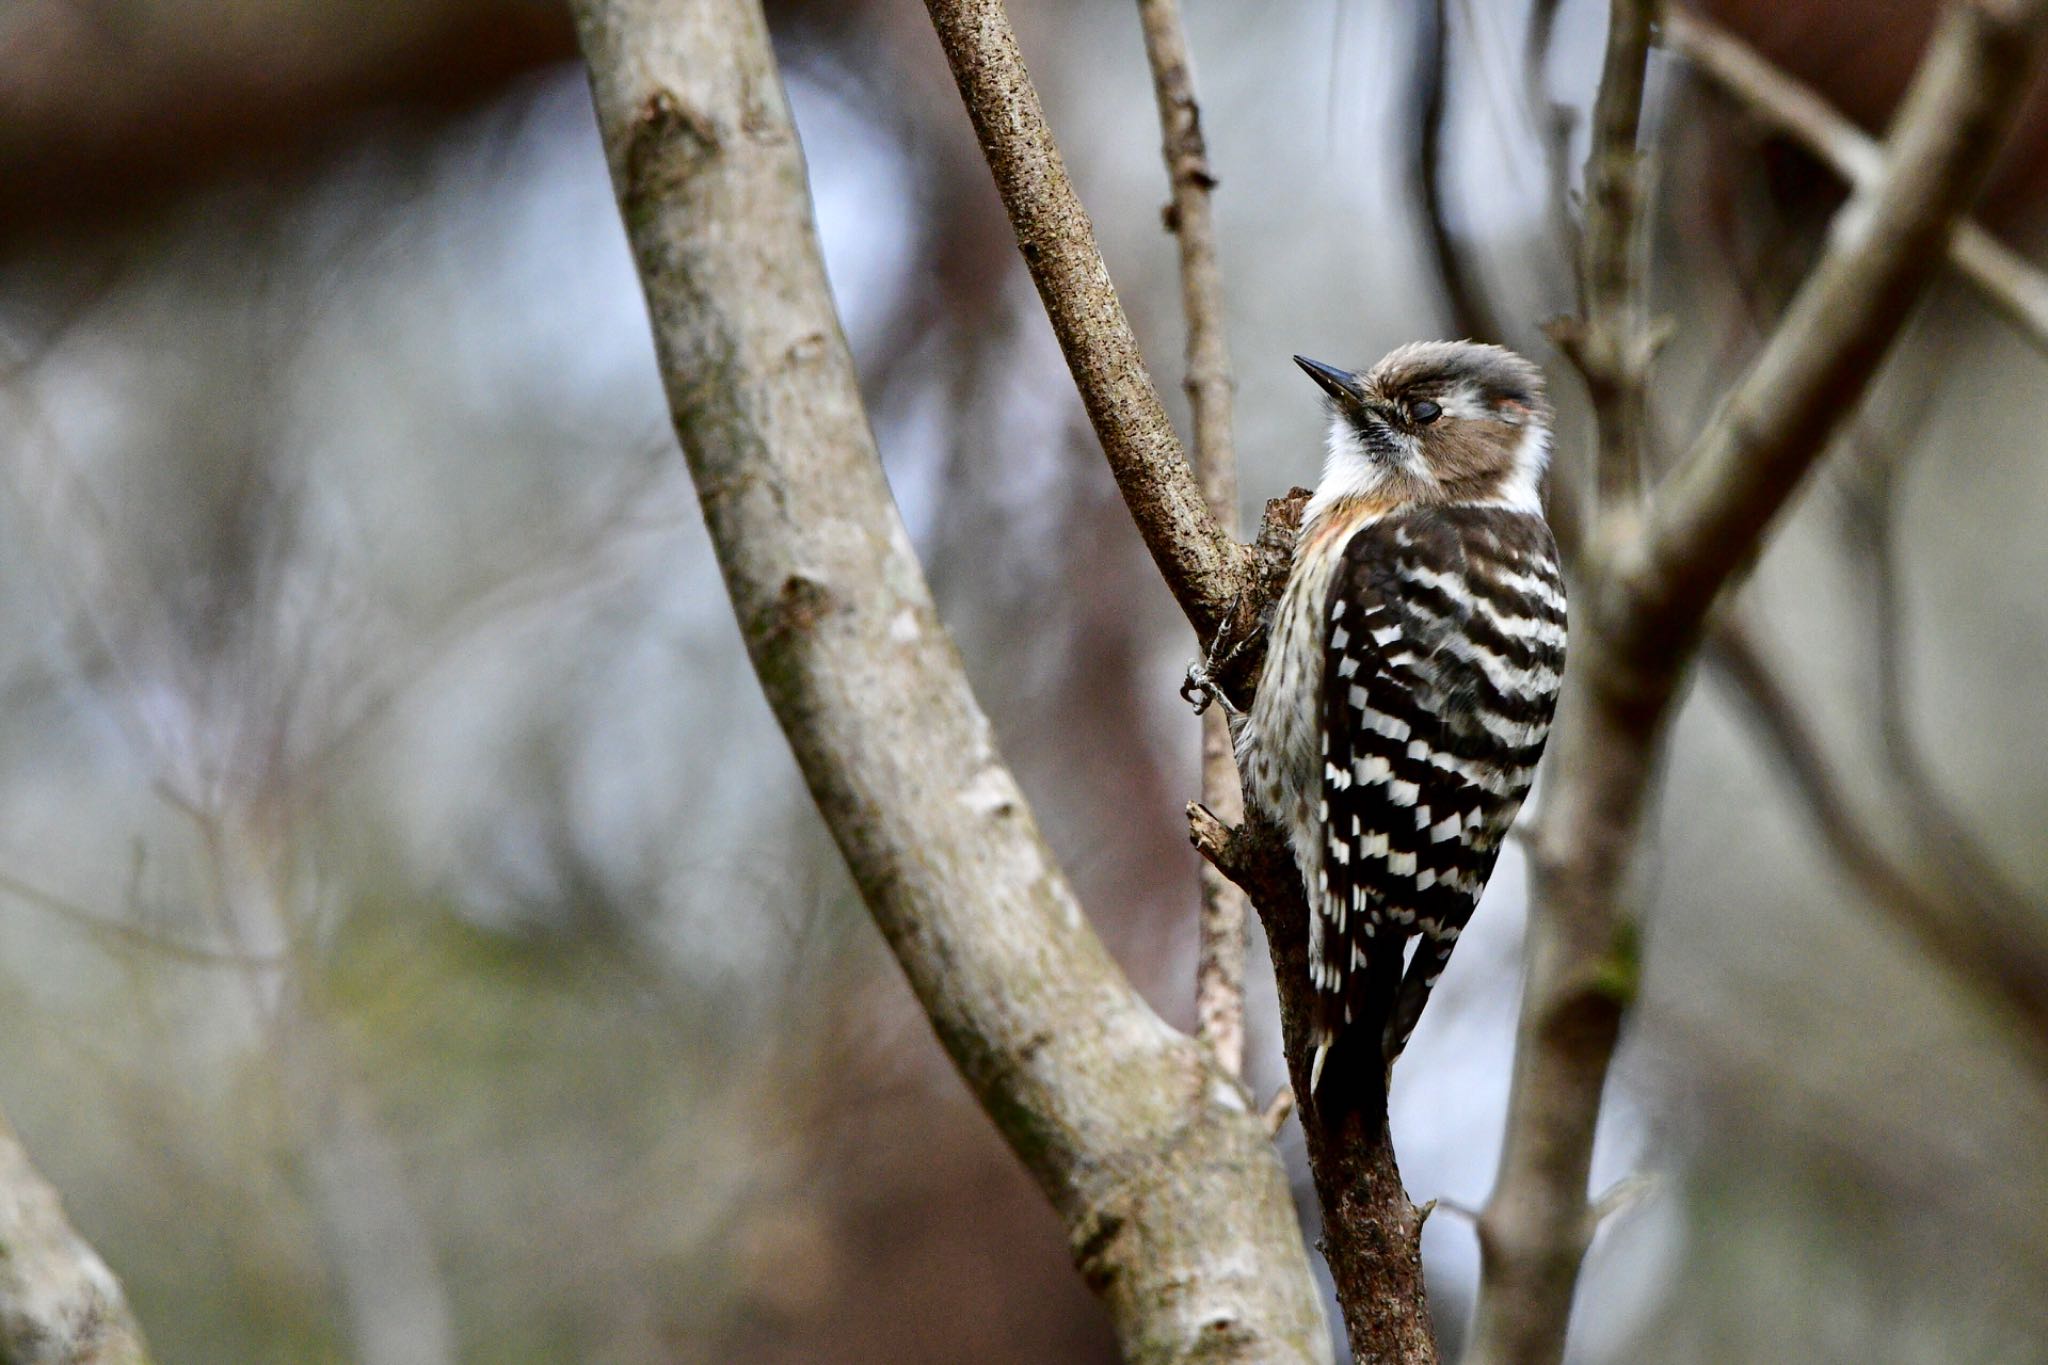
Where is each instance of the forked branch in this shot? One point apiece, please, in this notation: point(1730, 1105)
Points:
point(1371, 1230)
point(2007, 281)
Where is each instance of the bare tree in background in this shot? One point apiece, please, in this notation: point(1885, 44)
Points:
point(1143, 1140)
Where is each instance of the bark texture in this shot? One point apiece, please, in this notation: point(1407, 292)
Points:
point(59, 1304)
point(1372, 1233)
point(1202, 565)
point(1175, 1205)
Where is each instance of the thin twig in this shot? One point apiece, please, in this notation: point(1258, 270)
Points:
point(1536, 47)
point(2010, 283)
point(1219, 970)
point(1279, 1109)
point(1609, 343)
point(1192, 220)
point(134, 935)
point(1206, 570)
point(1623, 1195)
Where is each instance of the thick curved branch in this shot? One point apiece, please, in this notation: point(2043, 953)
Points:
point(1175, 1205)
point(59, 1304)
point(1205, 569)
point(1219, 970)
point(2007, 280)
point(1646, 589)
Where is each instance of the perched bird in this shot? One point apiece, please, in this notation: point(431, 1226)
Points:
point(1411, 673)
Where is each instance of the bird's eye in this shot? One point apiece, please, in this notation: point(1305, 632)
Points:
point(1425, 412)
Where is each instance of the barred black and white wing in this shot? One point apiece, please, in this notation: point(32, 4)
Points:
point(1444, 642)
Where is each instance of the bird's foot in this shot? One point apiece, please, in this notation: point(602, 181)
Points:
point(1200, 687)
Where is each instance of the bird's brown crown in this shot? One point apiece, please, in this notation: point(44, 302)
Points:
point(1444, 422)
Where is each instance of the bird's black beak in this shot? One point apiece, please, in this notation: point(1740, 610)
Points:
point(1337, 383)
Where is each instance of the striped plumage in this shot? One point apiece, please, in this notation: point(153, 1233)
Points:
point(1412, 672)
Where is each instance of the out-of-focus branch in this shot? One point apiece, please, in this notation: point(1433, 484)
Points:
point(1885, 245)
point(1872, 510)
point(1205, 569)
point(1994, 948)
point(1648, 583)
point(1610, 342)
point(1536, 41)
point(2013, 287)
point(1536, 1225)
point(1465, 297)
point(132, 936)
point(1176, 1208)
point(59, 1304)
point(269, 91)
point(1219, 971)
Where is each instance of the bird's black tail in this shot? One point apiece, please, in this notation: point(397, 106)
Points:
point(1413, 993)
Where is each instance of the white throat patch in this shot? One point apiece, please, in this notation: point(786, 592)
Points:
point(1348, 471)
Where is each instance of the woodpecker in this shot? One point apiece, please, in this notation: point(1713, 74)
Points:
point(1411, 672)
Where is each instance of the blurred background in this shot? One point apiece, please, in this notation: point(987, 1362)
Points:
point(415, 944)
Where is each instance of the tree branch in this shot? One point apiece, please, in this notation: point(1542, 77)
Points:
point(1176, 1208)
point(1886, 244)
point(1202, 565)
point(1610, 342)
point(1465, 296)
point(2007, 280)
point(1371, 1231)
point(59, 1304)
point(1534, 1229)
point(1219, 971)
point(1647, 587)
point(1872, 510)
